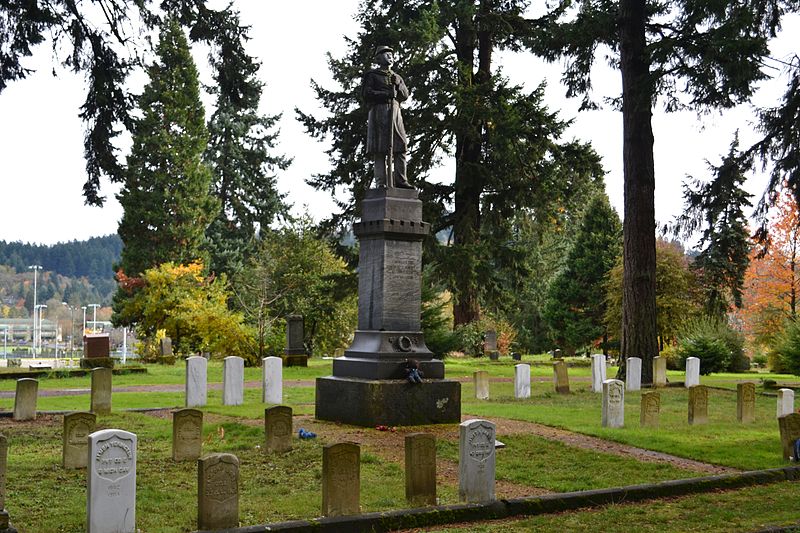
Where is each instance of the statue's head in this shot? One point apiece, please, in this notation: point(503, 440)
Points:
point(384, 56)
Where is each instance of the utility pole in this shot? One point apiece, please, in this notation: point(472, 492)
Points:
point(94, 316)
point(36, 269)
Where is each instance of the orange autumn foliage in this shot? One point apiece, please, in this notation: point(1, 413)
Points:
point(772, 281)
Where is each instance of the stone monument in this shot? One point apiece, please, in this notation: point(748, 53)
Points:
point(369, 386)
point(476, 461)
point(111, 486)
point(218, 491)
point(295, 352)
point(25, 399)
point(613, 410)
point(75, 439)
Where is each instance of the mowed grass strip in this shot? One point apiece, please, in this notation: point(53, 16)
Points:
point(748, 509)
point(723, 441)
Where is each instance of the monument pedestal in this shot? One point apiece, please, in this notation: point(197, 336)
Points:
point(369, 386)
point(5, 524)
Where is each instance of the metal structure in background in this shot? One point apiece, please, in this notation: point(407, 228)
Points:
point(94, 316)
point(36, 269)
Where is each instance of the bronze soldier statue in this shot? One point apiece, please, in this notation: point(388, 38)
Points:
point(383, 90)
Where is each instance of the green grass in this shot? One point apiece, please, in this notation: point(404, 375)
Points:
point(747, 509)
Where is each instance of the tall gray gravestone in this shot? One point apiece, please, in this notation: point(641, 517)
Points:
point(746, 402)
point(196, 381)
point(75, 439)
point(560, 377)
point(25, 399)
point(166, 347)
point(278, 429)
point(233, 381)
point(698, 404)
point(659, 371)
point(651, 409)
point(187, 434)
point(341, 479)
point(368, 385)
point(111, 486)
point(633, 374)
point(272, 380)
point(613, 411)
point(420, 469)
point(476, 461)
point(522, 381)
point(218, 491)
point(598, 372)
point(5, 523)
point(295, 352)
point(481, 380)
point(101, 391)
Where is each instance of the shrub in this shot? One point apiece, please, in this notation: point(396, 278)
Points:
point(470, 337)
point(785, 354)
point(715, 343)
point(760, 360)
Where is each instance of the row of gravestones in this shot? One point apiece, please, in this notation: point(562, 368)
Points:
point(27, 393)
point(232, 381)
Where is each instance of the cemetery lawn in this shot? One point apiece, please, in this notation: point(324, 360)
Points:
point(748, 509)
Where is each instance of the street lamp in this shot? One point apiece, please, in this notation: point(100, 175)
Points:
point(94, 316)
point(37, 310)
point(36, 269)
point(71, 326)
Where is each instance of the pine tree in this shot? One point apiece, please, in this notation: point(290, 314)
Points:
point(693, 55)
point(166, 195)
point(575, 306)
point(239, 155)
point(506, 145)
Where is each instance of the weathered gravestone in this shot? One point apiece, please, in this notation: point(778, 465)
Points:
point(5, 524)
point(233, 381)
point(650, 410)
point(789, 426)
point(278, 429)
point(187, 434)
point(785, 402)
point(476, 461)
point(698, 404)
point(218, 491)
point(75, 439)
point(746, 402)
point(659, 371)
point(692, 376)
point(166, 347)
point(560, 377)
point(420, 469)
point(341, 479)
point(490, 345)
point(522, 381)
point(613, 412)
point(111, 486)
point(598, 372)
point(272, 380)
point(633, 374)
point(295, 352)
point(196, 381)
point(101, 391)
point(25, 399)
point(481, 380)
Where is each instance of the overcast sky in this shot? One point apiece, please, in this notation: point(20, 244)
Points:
point(41, 137)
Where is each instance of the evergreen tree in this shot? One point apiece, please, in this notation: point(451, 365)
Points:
point(505, 143)
point(575, 305)
point(696, 55)
point(718, 208)
point(166, 196)
point(240, 142)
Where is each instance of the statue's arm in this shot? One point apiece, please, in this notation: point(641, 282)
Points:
point(374, 91)
point(401, 90)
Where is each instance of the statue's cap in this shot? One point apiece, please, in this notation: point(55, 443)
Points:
point(382, 49)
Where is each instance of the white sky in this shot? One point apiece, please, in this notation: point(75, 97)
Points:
point(41, 137)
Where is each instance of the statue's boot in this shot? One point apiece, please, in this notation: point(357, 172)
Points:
point(403, 185)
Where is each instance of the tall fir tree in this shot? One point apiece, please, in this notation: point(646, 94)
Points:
point(241, 142)
point(717, 207)
point(505, 144)
point(166, 195)
point(575, 307)
point(692, 55)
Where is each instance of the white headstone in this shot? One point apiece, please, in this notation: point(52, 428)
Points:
point(196, 381)
point(598, 372)
point(233, 381)
point(481, 380)
point(785, 402)
point(522, 381)
point(613, 403)
point(476, 462)
point(692, 372)
point(633, 374)
point(272, 380)
point(111, 487)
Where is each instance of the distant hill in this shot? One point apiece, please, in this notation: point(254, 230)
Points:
point(92, 259)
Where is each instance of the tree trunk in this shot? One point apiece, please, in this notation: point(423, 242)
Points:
point(639, 334)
